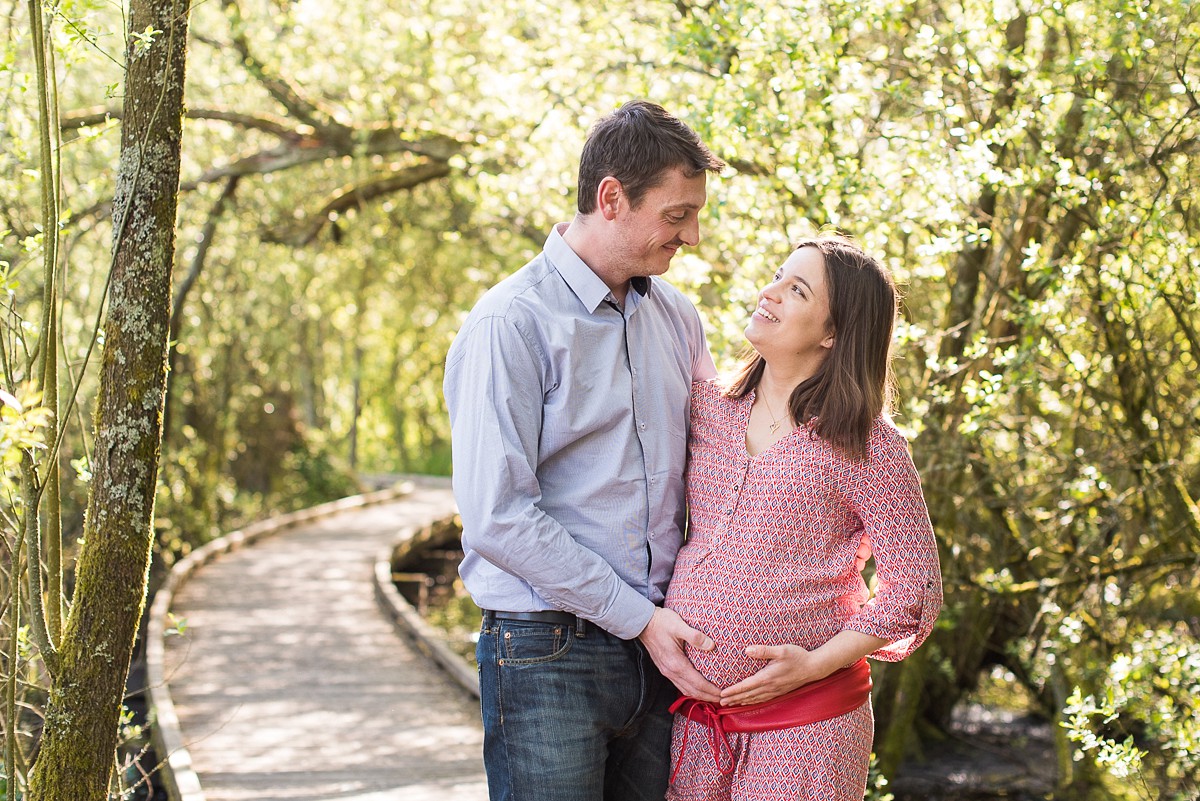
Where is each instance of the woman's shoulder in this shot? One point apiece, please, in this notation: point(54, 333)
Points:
point(885, 439)
point(710, 392)
point(710, 401)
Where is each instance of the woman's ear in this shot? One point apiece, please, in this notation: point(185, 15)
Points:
point(828, 341)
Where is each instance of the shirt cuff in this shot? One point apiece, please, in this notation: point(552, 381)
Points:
point(628, 616)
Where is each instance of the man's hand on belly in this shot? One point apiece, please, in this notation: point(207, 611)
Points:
point(665, 637)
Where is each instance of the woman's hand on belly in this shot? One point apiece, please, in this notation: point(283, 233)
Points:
point(790, 666)
point(787, 667)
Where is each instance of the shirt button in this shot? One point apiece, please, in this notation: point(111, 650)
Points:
point(643, 426)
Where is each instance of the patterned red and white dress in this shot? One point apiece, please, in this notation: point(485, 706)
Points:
point(772, 558)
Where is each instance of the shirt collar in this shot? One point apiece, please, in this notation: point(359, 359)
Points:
point(586, 285)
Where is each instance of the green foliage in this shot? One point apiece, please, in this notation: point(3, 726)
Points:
point(1084, 715)
point(22, 428)
point(4, 783)
point(1145, 699)
point(877, 783)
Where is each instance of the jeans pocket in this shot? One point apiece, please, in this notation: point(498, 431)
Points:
point(533, 644)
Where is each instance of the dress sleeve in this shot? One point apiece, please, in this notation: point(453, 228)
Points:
point(885, 492)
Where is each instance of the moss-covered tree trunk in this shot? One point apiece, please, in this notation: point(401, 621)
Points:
point(75, 761)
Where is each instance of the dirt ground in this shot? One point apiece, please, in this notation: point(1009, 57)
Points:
point(988, 756)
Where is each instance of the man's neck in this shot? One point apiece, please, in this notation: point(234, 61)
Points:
point(580, 236)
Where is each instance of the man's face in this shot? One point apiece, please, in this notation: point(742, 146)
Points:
point(666, 219)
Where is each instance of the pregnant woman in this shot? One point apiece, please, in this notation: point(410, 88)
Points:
point(796, 477)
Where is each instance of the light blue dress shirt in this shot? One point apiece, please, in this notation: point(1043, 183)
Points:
point(569, 433)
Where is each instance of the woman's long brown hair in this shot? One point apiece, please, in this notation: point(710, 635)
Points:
point(854, 384)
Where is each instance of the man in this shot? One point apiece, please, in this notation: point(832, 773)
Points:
point(568, 395)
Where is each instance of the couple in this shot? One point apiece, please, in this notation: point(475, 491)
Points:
point(569, 387)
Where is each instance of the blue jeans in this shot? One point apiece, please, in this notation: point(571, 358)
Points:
point(571, 713)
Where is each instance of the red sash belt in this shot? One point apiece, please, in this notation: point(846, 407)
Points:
point(830, 697)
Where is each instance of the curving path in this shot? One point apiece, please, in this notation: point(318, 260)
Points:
point(291, 684)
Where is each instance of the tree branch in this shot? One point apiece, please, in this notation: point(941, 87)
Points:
point(281, 89)
point(184, 289)
point(374, 141)
point(273, 159)
point(277, 126)
point(354, 196)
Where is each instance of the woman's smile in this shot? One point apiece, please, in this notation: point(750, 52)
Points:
point(762, 312)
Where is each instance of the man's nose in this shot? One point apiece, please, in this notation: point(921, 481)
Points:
point(690, 235)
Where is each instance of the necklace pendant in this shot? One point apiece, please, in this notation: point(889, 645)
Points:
point(774, 426)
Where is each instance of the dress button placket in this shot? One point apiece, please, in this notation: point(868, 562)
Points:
point(736, 494)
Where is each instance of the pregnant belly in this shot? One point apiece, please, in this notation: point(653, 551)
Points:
point(739, 604)
point(733, 627)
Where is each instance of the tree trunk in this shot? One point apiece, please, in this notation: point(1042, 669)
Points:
point(76, 757)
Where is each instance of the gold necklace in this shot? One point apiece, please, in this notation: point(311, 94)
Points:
point(775, 421)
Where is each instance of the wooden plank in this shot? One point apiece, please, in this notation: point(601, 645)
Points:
point(290, 683)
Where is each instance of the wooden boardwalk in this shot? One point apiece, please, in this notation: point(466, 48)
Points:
point(291, 684)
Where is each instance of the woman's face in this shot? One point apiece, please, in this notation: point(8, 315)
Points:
point(792, 317)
